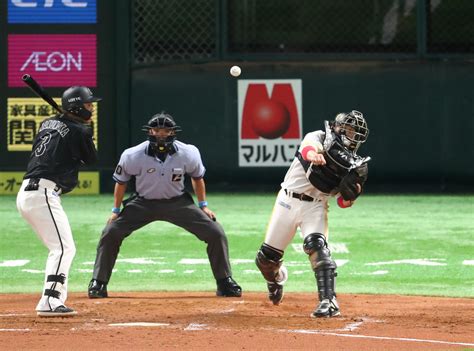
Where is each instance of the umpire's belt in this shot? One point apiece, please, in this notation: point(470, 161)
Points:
point(36, 183)
point(302, 197)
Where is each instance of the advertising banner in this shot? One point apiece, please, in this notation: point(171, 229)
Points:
point(10, 183)
point(54, 60)
point(24, 117)
point(269, 121)
point(52, 11)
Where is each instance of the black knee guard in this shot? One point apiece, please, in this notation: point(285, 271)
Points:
point(323, 265)
point(269, 261)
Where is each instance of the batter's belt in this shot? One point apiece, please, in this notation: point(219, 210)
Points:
point(35, 183)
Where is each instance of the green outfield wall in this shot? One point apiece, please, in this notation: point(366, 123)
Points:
point(412, 82)
point(420, 114)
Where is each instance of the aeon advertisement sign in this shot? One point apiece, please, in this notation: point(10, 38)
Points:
point(54, 60)
point(52, 11)
point(269, 121)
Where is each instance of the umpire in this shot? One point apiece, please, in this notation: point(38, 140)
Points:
point(159, 166)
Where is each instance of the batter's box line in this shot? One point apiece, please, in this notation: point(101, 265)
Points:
point(319, 332)
point(227, 309)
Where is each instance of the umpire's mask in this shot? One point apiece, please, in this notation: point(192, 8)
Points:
point(161, 130)
point(352, 128)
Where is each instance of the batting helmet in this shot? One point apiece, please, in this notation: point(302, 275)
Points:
point(75, 97)
point(352, 128)
point(162, 120)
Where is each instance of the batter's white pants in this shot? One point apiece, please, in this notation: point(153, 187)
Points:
point(290, 213)
point(43, 211)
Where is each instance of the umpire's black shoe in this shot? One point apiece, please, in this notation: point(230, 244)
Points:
point(228, 287)
point(97, 289)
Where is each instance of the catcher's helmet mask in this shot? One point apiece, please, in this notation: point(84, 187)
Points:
point(352, 128)
point(73, 101)
point(162, 120)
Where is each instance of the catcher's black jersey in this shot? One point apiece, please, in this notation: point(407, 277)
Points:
point(59, 148)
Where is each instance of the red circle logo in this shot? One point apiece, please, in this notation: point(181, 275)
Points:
point(270, 119)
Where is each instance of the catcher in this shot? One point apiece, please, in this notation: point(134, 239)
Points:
point(325, 165)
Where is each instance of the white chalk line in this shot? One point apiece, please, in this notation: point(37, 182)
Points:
point(13, 263)
point(352, 326)
point(416, 261)
point(14, 330)
point(303, 331)
point(139, 324)
point(229, 310)
point(196, 326)
point(348, 327)
point(336, 247)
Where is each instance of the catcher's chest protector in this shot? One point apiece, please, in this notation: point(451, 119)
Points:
point(339, 161)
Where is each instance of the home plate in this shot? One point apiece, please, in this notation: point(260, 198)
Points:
point(139, 324)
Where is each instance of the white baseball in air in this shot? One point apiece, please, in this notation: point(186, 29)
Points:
point(235, 71)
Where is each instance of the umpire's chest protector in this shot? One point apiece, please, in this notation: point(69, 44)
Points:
point(339, 161)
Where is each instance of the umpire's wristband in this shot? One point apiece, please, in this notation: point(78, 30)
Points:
point(115, 210)
point(202, 204)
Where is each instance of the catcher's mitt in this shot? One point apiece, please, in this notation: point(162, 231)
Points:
point(348, 185)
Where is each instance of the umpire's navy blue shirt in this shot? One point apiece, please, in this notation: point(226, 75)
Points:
point(156, 179)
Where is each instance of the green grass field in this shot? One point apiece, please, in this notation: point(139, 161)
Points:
point(414, 245)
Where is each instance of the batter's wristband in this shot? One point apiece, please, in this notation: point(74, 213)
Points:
point(202, 204)
point(115, 210)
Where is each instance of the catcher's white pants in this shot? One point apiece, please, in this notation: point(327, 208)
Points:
point(43, 211)
point(290, 213)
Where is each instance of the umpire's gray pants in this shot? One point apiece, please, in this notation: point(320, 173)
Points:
point(180, 211)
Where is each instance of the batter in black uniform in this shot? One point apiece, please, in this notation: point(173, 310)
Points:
point(62, 145)
point(159, 166)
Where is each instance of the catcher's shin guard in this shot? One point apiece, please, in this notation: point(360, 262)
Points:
point(324, 268)
point(269, 261)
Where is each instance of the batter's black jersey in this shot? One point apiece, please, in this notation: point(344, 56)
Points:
point(60, 147)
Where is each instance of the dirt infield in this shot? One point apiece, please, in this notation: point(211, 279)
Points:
point(195, 320)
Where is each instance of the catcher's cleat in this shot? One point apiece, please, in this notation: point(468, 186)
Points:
point(275, 289)
point(60, 311)
point(97, 289)
point(327, 308)
point(228, 287)
point(275, 293)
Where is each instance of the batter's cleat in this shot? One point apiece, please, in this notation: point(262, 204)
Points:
point(228, 287)
point(326, 308)
point(60, 311)
point(97, 289)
